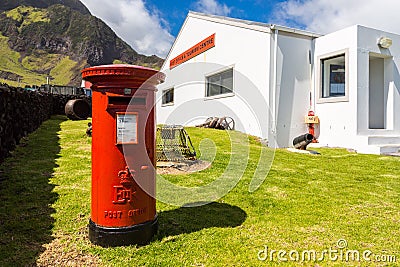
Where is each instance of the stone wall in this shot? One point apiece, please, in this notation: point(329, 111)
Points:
point(23, 111)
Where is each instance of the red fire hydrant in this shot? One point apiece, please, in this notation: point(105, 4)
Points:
point(123, 208)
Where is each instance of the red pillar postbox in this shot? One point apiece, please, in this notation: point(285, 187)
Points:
point(123, 208)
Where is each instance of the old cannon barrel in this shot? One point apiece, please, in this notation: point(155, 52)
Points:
point(302, 141)
point(77, 109)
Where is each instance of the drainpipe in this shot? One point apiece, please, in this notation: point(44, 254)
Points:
point(275, 78)
point(313, 74)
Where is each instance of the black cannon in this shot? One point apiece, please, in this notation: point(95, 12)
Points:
point(302, 141)
point(77, 109)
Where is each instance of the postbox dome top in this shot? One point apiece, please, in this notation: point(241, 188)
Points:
point(122, 71)
point(129, 66)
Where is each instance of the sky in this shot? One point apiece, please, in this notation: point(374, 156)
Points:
point(150, 27)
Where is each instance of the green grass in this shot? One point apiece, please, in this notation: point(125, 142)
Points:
point(27, 196)
point(306, 202)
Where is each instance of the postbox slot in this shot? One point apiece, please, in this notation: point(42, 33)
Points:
point(125, 101)
point(139, 101)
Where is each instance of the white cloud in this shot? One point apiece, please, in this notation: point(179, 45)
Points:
point(212, 7)
point(324, 16)
point(141, 28)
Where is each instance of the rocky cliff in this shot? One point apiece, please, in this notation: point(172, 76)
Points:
point(56, 39)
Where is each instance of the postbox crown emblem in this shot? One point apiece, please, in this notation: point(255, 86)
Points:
point(127, 177)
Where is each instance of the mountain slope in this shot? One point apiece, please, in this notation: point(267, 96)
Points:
point(58, 42)
point(73, 4)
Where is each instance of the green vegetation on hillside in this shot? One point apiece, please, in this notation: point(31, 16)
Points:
point(12, 83)
point(73, 4)
point(33, 69)
point(306, 202)
point(40, 61)
point(117, 61)
point(9, 62)
point(58, 41)
point(62, 73)
point(27, 15)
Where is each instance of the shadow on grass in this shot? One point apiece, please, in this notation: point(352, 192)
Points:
point(186, 220)
point(26, 196)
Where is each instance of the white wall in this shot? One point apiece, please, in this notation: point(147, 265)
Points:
point(293, 87)
point(247, 51)
point(338, 120)
point(251, 54)
point(367, 46)
point(347, 124)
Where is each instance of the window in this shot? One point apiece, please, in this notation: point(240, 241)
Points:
point(220, 83)
point(168, 97)
point(333, 76)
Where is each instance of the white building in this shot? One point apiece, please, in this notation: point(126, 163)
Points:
point(267, 77)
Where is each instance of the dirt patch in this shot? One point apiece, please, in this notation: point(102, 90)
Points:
point(183, 167)
point(63, 252)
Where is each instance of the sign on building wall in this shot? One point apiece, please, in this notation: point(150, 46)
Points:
point(195, 50)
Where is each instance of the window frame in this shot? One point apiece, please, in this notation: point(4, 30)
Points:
point(215, 73)
point(332, 98)
point(163, 96)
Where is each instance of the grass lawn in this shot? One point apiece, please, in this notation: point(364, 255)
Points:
point(306, 203)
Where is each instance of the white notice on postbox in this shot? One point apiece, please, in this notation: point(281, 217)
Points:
point(126, 128)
